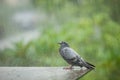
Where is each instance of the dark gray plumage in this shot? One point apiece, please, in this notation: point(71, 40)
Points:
point(72, 56)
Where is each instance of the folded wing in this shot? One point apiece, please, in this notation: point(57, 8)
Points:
point(72, 57)
point(69, 53)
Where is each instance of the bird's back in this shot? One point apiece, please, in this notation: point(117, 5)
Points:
point(68, 53)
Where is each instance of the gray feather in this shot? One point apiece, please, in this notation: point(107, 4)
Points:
point(69, 53)
point(72, 57)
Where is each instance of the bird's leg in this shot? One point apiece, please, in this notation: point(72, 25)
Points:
point(70, 67)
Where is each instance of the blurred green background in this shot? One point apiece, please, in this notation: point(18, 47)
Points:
point(91, 27)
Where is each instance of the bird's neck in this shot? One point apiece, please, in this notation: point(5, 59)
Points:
point(63, 47)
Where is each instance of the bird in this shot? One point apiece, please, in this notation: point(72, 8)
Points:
point(72, 57)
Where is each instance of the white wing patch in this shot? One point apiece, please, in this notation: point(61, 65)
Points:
point(69, 53)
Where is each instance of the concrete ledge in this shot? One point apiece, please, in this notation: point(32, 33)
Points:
point(41, 73)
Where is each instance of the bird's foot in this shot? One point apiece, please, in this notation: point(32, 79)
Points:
point(68, 68)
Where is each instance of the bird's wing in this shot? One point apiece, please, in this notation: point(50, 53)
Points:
point(72, 56)
point(81, 61)
point(69, 53)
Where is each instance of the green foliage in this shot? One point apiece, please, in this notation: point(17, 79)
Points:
point(85, 25)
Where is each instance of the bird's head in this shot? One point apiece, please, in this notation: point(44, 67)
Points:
point(64, 44)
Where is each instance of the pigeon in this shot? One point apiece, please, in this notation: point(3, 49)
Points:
point(72, 57)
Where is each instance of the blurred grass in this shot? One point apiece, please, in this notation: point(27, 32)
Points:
point(93, 34)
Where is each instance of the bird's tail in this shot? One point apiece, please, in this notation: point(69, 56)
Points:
point(91, 66)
